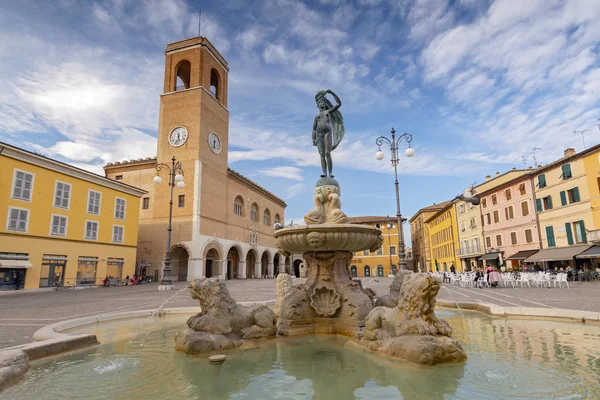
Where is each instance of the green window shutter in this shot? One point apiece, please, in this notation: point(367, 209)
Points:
point(538, 205)
point(549, 202)
point(563, 198)
point(566, 170)
point(550, 236)
point(583, 233)
point(542, 181)
point(576, 194)
point(569, 233)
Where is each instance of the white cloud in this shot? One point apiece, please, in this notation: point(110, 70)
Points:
point(287, 172)
point(293, 190)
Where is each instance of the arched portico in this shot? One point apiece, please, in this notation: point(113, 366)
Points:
point(251, 259)
point(277, 264)
point(213, 259)
point(234, 257)
point(264, 264)
point(179, 263)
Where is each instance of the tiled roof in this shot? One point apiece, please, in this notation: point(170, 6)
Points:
point(257, 187)
point(433, 207)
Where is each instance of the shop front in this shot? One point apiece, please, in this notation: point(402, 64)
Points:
point(517, 260)
point(86, 270)
point(53, 270)
point(13, 269)
point(114, 267)
point(557, 257)
point(493, 258)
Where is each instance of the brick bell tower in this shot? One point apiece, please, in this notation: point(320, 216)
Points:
point(194, 128)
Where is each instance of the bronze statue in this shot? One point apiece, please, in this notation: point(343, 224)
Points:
point(328, 129)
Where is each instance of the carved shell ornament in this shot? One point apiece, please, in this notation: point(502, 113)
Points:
point(325, 301)
point(315, 239)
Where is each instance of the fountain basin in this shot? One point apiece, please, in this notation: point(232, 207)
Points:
point(328, 237)
point(507, 358)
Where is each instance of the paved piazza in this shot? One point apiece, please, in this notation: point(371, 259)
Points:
point(24, 312)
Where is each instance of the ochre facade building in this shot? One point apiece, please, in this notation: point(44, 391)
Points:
point(222, 221)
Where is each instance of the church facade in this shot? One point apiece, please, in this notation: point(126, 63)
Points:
point(222, 221)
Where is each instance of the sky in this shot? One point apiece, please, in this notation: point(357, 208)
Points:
point(477, 83)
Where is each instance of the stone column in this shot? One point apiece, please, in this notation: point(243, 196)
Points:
point(195, 269)
point(241, 269)
point(271, 271)
point(258, 270)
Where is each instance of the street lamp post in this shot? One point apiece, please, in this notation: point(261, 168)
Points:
point(175, 178)
point(390, 226)
point(409, 152)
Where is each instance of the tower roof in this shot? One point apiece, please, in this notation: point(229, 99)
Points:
point(199, 41)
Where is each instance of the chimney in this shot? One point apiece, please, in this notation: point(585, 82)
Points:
point(497, 173)
point(570, 152)
point(487, 177)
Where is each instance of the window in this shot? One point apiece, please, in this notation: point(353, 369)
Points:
point(22, 185)
point(522, 189)
point(238, 205)
point(475, 242)
point(566, 172)
point(496, 216)
point(578, 228)
point(510, 214)
point(498, 240)
point(181, 201)
point(254, 212)
point(528, 236)
point(145, 203)
point(119, 177)
point(86, 270)
point(488, 241)
point(473, 223)
point(508, 194)
point(18, 219)
point(91, 230)
point(267, 217)
point(484, 203)
point(277, 218)
point(547, 202)
point(393, 250)
point(118, 234)
point(513, 238)
point(542, 181)
point(569, 196)
point(550, 236)
point(379, 251)
point(486, 219)
point(120, 208)
point(94, 202)
point(461, 209)
point(214, 83)
point(524, 208)
point(62, 195)
point(366, 253)
point(463, 226)
point(58, 226)
point(378, 225)
point(494, 200)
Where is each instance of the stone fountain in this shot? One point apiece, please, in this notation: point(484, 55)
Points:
point(330, 302)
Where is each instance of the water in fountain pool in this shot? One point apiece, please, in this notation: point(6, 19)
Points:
point(508, 359)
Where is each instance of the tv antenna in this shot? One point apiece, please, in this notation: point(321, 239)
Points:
point(524, 160)
point(533, 153)
point(199, 21)
point(581, 132)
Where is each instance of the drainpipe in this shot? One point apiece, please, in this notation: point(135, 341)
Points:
point(537, 219)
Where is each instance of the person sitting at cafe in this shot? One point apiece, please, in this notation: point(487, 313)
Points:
point(479, 277)
point(106, 282)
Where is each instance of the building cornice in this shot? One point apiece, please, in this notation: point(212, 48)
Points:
point(256, 186)
point(199, 41)
point(66, 169)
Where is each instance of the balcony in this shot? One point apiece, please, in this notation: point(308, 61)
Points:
point(467, 251)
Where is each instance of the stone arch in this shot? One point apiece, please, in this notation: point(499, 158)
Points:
point(254, 212)
point(278, 264)
point(251, 259)
point(212, 254)
point(267, 217)
point(235, 254)
point(265, 260)
point(215, 83)
point(380, 271)
point(182, 75)
point(278, 218)
point(180, 255)
point(238, 205)
point(297, 264)
point(353, 271)
point(367, 271)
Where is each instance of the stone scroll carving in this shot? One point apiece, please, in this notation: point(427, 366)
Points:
point(327, 206)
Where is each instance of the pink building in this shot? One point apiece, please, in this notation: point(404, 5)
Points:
point(510, 227)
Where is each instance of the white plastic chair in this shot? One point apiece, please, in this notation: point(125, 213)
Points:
point(524, 279)
point(560, 278)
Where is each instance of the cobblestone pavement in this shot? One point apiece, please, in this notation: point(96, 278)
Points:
point(24, 312)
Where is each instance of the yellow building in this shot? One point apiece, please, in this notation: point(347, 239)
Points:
point(443, 239)
point(63, 224)
point(591, 164)
point(384, 261)
point(420, 236)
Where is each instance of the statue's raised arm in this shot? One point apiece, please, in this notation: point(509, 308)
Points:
point(337, 100)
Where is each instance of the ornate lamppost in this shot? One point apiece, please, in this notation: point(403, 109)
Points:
point(175, 178)
point(409, 152)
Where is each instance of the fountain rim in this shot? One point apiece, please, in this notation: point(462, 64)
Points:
point(326, 227)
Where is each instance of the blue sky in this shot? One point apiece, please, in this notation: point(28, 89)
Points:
point(478, 84)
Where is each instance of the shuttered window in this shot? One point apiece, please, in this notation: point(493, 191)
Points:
point(566, 172)
point(528, 236)
point(120, 208)
point(91, 230)
point(513, 238)
point(550, 236)
point(18, 219)
point(569, 233)
point(118, 234)
point(22, 185)
point(542, 181)
point(580, 234)
point(538, 205)
point(62, 194)
point(524, 209)
point(59, 225)
point(94, 202)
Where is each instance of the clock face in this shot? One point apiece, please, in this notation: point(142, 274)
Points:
point(178, 136)
point(214, 142)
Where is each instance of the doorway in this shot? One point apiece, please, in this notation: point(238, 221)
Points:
point(353, 271)
point(367, 271)
point(297, 268)
point(250, 264)
point(179, 263)
point(233, 263)
point(53, 272)
point(380, 270)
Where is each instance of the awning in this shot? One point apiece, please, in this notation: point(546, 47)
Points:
point(15, 264)
point(558, 253)
point(523, 254)
point(490, 256)
point(590, 253)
